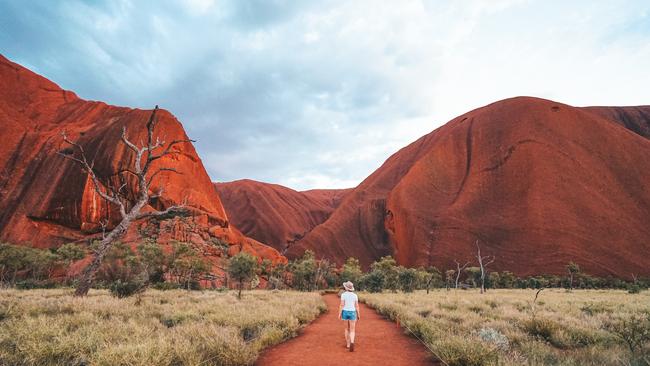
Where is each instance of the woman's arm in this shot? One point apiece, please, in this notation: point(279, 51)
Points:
point(356, 305)
point(341, 307)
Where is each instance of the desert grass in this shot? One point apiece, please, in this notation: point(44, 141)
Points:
point(506, 327)
point(51, 327)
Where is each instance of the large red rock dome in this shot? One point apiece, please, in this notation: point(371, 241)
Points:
point(277, 215)
point(46, 200)
point(536, 182)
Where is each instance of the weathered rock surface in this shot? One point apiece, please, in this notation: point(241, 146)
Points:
point(538, 183)
point(46, 200)
point(274, 214)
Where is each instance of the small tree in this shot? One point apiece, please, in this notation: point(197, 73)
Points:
point(407, 279)
point(351, 271)
point(40, 263)
point(277, 276)
point(372, 281)
point(153, 261)
point(324, 273)
point(242, 268)
point(573, 270)
point(387, 268)
point(304, 271)
point(435, 278)
point(70, 253)
point(187, 265)
point(483, 262)
point(129, 210)
point(12, 260)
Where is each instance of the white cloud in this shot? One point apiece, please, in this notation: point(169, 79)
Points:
point(319, 94)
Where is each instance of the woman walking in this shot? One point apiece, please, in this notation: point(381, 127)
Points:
point(349, 312)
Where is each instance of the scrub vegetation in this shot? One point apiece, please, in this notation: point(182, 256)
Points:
point(510, 327)
point(176, 327)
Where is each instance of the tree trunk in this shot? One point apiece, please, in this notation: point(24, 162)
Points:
point(240, 286)
point(88, 275)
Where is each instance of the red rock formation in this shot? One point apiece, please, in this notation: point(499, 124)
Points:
point(538, 183)
point(274, 214)
point(46, 200)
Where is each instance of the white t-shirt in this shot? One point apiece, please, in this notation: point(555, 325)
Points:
point(349, 300)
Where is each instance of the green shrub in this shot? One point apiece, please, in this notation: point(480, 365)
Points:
point(124, 289)
point(541, 328)
point(242, 268)
point(166, 286)
point(634, 289)
point(407, 279)
point(351, 271)
point(634, 330)
point(373, 281)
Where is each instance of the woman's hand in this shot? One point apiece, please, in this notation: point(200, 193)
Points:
point(339, 315)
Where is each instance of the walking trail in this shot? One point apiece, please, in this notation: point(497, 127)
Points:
point(378, 342)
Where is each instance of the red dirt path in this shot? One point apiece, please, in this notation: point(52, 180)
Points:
point(378, 342)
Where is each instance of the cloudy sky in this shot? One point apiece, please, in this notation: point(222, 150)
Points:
point(317, 94)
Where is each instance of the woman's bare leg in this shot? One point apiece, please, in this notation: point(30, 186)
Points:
point(353, 323)
point(347, 334)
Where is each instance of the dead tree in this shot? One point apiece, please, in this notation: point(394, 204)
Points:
point(129, 209)
point(483, 262)
point(459, 269)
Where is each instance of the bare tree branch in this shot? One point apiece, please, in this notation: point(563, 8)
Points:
point(88, 168)
point(128, 143)
point(118, 196)
point(104, 224)
point(483, 261)
point(171, 209)
point(459, 269)
point(168, 150)
point(158, 171)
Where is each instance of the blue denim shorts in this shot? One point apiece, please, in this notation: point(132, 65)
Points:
point(349, 315)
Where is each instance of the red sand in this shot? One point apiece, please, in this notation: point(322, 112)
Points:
point(322, 343)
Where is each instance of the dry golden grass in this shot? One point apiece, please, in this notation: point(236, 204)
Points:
point(50, 327)
point(502, 327)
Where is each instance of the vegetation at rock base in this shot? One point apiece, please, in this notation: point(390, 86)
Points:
point(138, 267)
